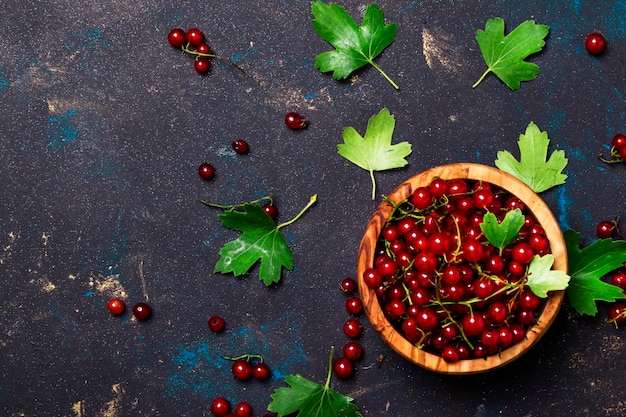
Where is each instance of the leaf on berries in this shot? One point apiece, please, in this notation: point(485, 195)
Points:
point(533, 168)
point(356, 46)
point(374, 151)
point(504, 55)
point(501, 234)
point(261, 241)
point(310, 399)
point(543, 279)
point(587, 267)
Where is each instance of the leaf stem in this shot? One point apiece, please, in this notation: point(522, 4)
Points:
point(309, 204)
point(373, 184)
point(384, 74)
point(330, 367)
point(482, 77)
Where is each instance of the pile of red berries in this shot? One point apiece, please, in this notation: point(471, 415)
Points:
point(442, 284)
point(618, 150)
point(193, 42)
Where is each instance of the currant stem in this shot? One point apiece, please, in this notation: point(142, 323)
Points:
point(223, 58)
point(247, 356)
point(482, 77)
point(384, 75)
point(309, 204)
point(233, 206)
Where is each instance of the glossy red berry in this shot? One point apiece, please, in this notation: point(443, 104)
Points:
point(203, 48)
point(595, 43)
point(240, 146)
point(177, 37)
point(142, 311)
point(242, 369)
point(348, 286)
point(353, 350)
point(605, 229)
point(216, 323)
point(270, 210)
point(202, 65)
point(116, 306)
point(294, 120)
point(206, 171)
point(352, 328)
point(220, 407)
point(619, 141)
point(261, 371)
point(343, 367)
point(243, 409)
point(354, 305)
point(195, 37)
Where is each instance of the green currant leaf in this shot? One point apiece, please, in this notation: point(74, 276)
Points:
point(542, 278)
point(504, 55)
point(356, 46)
point(532, 168)
point(501, 234)
point(587, 267)
point(261, 240)
point(374, 151)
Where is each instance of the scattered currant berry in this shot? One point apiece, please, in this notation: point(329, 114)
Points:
point(116, 306)
point(220, 407)
point(354, 305)
point(142, 311)
point(617, 313)
point(343, 367)
point(195, 37)
point(243, 409)
point(177, 37)
point(206, 171)
point(353, 350)
point(294, 120)
point(240, 146)
point(202, 65)
point(352, 328)
point(242, 369)
point(595, 43)
point(348, 286)
point(216, 324)
point(271, 210)
point(261, 371)
point(606, 228)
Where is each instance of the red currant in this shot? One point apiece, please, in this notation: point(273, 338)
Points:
point(450, 354)
point(116, 306)
point(243, 409)
point(242, 369)
point(294, 120)
point(195, 37)
point(343, 367)
point(216, 324)
point(619, 279)
point(595, 43)
point(240, 146)
point(271, 210)
point(206, 171)
point(202, 65)
point(352, 328)
point(220, 407)
point(261, 371)
point(617, 313)
point(348, 286)
point(618, 142)
point(203, 48)
point(177, 37)
point(353, 350)
point(605, 229)
point(142, 311)
point(354, 305)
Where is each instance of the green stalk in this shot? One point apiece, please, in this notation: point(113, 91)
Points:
point(309, 204)
point(330, 367)
point(384, 75)
point(482, 77)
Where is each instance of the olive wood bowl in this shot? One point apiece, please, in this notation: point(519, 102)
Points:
point(368, 247)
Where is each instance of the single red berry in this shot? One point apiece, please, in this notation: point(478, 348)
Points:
point(203, 48)
point(142, 311)
point(619, 279)
point(294, 120)
point(116, 306)
point(352, 328)
point(270, 210)
point(240, 146)
point(348, 286)
point(243, 409)
point(605, 229)
point(206, 171)
point(354, 305)
point(595, 43)
point(216, 323)
point(177, 37)
point(220, 407)
point(195, 37)
point(242, 369)
point(261, 371)
point(202, 65)
point(619, 141)
point(353, 350)
point(343, 367)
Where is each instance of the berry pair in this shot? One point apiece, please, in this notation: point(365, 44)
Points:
point(207, 170)
point(220, 407)
point(249, 366)
point(141, 311)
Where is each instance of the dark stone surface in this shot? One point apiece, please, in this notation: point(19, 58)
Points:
point(103, 125)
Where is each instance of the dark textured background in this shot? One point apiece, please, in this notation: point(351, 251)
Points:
point(103, 125)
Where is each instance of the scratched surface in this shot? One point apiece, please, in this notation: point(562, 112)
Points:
point(103, 125)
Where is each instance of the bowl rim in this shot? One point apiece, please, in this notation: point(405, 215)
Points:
point(394, 338)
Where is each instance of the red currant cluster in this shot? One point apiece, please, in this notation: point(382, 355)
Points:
point(442, 284)
point(221, 407)
point(249, 366)
point(141, 311)
point(343, 366)
point(618, 150)
point(617, 309)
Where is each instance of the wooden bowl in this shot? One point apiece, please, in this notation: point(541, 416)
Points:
point(368, 247)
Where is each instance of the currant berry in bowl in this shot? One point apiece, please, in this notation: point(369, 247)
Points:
point(437, 290)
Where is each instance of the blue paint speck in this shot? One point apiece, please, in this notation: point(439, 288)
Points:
point(61, 130)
